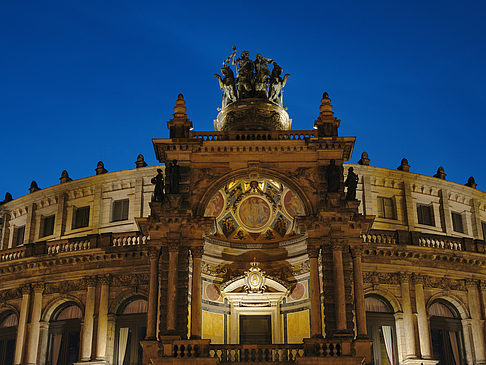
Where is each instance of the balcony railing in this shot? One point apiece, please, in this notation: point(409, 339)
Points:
point(246, 353)
point(254, 136)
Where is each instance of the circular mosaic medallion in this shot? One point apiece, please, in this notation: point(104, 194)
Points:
point(212, 292)
point(293, 205)
point(215, 206)
point(254, 212)
point(298, 291)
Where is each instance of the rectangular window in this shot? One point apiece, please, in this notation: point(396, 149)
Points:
point(425, 214)
point(386, 208)
point(120, 210)
point(81, 217)
point(48, 226)
point(483, 226)
point(457, 224)
point(19, 234)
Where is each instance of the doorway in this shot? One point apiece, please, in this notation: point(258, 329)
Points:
point(256, 329)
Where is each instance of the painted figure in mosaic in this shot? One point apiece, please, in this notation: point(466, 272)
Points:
point(158, 180)
point(351, 183)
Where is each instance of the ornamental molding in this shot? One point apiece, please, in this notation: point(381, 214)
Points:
point(377, 278)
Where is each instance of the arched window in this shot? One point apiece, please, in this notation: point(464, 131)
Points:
point(64, 338)
point(380, 323)
point(446, 331)
point(131, 326)
point(8, 334)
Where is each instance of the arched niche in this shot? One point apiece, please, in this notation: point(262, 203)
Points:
point(254, 208)
point(8, 332)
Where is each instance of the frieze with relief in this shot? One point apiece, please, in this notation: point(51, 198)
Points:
point(255, 210)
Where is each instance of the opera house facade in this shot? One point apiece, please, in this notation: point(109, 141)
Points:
point(250, 243)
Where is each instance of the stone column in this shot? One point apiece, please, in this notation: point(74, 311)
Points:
point(196, 296)
point(408, 326)
point(172, 286)
point(315, 292)
point(340, 303)
point(422, 319)
point(359, 293)
point(102, 330)
point(22, 326)
point(87, 331)
point(477, 325)
point(34, 326)
point(153, 295)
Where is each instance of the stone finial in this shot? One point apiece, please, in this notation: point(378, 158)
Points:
point(140, 161)
point(326, 124)
point(33, 187)
point(179, 126)
point(100, 168)
point(365, 160)
point(440, 173)
point(404, 166)
point(8, 198)
point(65, 177)
point(326, 107)
point(471, 182)
point(180, 107)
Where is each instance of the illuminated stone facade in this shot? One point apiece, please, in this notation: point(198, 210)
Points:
point(258, 256)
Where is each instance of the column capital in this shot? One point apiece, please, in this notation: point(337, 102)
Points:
point(405, 276)
point(90, 281)
point(356, 251)
point(418, 279)
point(38, 287)
point(313, 251)
point(173, 246)
point(105, 279)
point(482, 284)
point(336, 246)
point(25, 289)
point(153, 253)
point(197, 252)
point(471, 283)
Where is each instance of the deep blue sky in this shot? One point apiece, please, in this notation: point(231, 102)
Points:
point(83, 81)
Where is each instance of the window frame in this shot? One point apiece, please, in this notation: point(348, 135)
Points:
point(79, 225)
point(460, 221)
point(381, 211)
point(483, 227)
point(420, 215)
point(43, 225)
point(122, 209)
point(16, 242)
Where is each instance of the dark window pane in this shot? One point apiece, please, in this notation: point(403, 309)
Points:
point(19, 236)
point(81, 217)
point(483, 225)
point(48, 226)
point(386, 208)
point(120, 210)
point(425, 214)
point(457, 225)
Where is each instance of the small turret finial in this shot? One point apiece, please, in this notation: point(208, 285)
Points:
point(100, 168)
point(365, 160)
point(471, 182)
point(140, 161)
point(65, 177)
point(33, 187)
point(440, 173)
point(404, 166)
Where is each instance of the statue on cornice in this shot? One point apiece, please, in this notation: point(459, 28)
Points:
point(253, 79)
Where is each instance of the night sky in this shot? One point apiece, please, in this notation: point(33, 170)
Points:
point(83, 81)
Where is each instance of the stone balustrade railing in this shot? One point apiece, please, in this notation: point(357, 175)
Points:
point(12, 254)
point(253, 136)
point(247, 353)
point(129, 239)
point(68, 246)
point(414, 238)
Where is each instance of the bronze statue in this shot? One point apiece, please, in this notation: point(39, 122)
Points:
point(277, 83)
point(262, 76)
point(351, 183)
point(173, 177)
point(227, 84)
point(244, 78)
point(158, 180)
